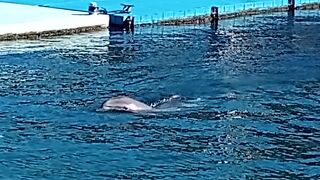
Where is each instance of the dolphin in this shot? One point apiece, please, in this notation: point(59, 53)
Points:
point(124, 103)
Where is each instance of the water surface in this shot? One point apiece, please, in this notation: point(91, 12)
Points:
point(251, 91)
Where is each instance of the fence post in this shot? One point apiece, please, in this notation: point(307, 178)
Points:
point(156, 15)
point(146, 18)
point(291, 4)
point(214, 15)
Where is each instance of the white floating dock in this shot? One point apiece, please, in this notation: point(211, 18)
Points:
point(29, 22)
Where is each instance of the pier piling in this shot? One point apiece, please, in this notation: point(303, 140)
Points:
point(214, 14)
point(291, 5)
point(214, 17)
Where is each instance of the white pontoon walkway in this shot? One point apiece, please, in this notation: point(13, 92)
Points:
point(17, 21)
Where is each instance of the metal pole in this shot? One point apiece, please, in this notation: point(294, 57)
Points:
point(156, 15)
point(140, 20)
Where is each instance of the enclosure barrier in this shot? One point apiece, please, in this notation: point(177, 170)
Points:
point(202, 14)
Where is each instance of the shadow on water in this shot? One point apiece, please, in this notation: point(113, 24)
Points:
point(250, 102)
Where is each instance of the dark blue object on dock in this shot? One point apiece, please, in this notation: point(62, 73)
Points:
point(118, 23)
point(93, 8)
point(121, 20)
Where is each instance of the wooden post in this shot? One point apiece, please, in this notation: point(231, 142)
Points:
point(132, 24)
point(291, 5)
point(214, 15)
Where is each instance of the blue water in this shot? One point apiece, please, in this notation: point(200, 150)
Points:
point(148, 11)
point(251, 94)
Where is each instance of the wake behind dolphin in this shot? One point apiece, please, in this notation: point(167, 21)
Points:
point(125, 103)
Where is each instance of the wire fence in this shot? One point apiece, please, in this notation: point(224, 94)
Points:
point(223, 9)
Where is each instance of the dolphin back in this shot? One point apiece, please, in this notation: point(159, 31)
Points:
point(124, 103)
